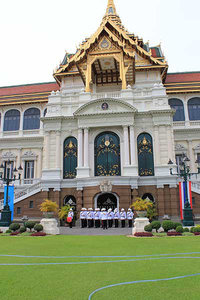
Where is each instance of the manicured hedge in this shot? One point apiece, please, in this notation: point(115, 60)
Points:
point(174, 233)
point(38, 234)
point(143, 234)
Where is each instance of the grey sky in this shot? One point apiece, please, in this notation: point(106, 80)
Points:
point(36, 33)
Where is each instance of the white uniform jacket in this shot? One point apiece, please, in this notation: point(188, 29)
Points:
point(90, 215)
point(116, 215)
point(130, 215)
point(83, 215)
point(97, 215)
point(110, 215)
point(104, 215)
point(71, 214)
point(123, 215)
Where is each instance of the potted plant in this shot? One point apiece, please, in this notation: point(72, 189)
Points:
point(141, 206)
point(63, 213)
point(48, 208)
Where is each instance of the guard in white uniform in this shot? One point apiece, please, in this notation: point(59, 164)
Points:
point(110, 218)
point(130, 218)
point(83, 217)
point(116, 217)
point(89, 217)
point(104, 217)
point(97, 218)
point(123, 217)
point(70, 215)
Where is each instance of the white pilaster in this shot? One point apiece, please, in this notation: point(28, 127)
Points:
point(86, 148)
point(57, 149)
point(157, 145)
point(46, 150)
point(2, 122)
point(191, 157)
point(187, 121)
point(132, 145)
point(21, 122)
point(80, 148)
point(126, 146)
point(169, 143)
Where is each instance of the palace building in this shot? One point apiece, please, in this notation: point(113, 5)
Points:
point(103, 132)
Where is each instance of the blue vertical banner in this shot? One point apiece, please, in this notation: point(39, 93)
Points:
point(10, 198)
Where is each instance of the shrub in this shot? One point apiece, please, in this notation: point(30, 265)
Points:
point(186, 229)
point(48, 206)
point(1, 231)
point(14, 233)
point(148, 228)
point(176, 224)
point(196, 229)
point(30, 224)
point(14, 226)
point(192, 229)
point(152, 213)
point(187, 233)
point(143, 234)
point(38, 227)
point(167, 225)
point(161, 234)
point(26, 233)
point(196, 233)
point(174, 233)
point(141, 204)
point(22, 229)
point(63, 212)
point(38, 234)
point(179, 229)
point(156, 225)
point(8, 231)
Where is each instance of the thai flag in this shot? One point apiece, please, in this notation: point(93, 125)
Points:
point(182, 195)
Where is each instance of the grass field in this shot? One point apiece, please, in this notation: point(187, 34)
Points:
point(78, 281)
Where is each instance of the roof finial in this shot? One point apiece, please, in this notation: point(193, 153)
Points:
point(111, 10)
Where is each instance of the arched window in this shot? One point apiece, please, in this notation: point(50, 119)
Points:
point(31, 119)
point(148, 196)
point(107, 154)
point(70, 158)
point(11, 120)
point(194, 109)
point(178, 106)
point(145, 155)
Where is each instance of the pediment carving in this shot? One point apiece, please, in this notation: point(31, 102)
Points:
point(9, 155)
point(180, 147)
point(105, 106)
point(29, 155)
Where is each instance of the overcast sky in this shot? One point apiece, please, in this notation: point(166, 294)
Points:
point(35, 34)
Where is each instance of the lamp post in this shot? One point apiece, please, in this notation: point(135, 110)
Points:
point(185, 174)
point(5, 175)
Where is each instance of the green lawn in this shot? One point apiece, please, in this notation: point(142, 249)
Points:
point(77, 281)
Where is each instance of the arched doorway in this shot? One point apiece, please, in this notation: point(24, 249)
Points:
point(106, 200)
point(107, 154)
point(145, 155)
point(70, 158)
point(71, 200)
point(148, 196)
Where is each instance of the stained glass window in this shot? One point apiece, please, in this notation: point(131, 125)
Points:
point(145, 155)
point(107, 154)
point(70, 158)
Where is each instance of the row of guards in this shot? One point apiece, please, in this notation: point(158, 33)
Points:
point(102, 218)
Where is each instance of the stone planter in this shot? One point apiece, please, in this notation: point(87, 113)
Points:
point(50, 226)
point(48, 214)
point(141, 213)
point(139, 224)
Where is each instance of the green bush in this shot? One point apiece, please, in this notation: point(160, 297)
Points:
point(156, 225)
point(8, 231)
point(14, 226)
point(186, 229)
point(38, 227)
point(167, 225)
point(176, 224)
point(30, 224)
point(179, 229)
point(188, 234)
point(196, 229)
point(22, 229)
point(192, 229)
point(148, 228)
point(26, 233)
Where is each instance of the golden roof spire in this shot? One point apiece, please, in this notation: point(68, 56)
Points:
point(111, 13)
point(111, 10)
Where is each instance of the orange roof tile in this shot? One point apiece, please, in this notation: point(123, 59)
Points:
point(29, 88)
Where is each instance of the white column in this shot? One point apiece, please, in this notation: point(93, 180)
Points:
point(46, 150)
point(2, 121)
point(21, 122)
point(132, 145)
point(157, 145)
point(186, 111)
point(57, 149)
point(191, 157)
point(169, 139)
point(86, 146)
point(39, 164)
point(80, 148)
point(126, 146)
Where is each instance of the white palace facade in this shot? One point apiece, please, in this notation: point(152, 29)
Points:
point(103, 132)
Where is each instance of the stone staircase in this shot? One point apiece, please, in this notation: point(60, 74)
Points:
point(24, 193)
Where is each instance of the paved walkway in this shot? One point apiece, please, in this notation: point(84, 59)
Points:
point(95, 231)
